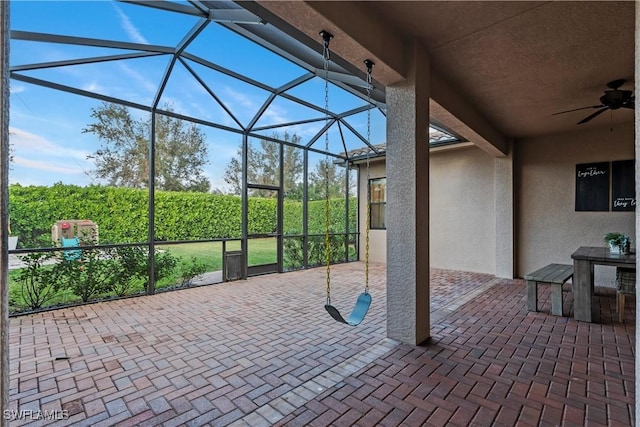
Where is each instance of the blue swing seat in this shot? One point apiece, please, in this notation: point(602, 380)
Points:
point(357, 314)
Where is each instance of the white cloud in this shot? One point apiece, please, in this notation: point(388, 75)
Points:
point(175, 103)
point(274, 115)
point(139, 78)
point(17, 88)
point(92, 87)
point(28, 144)
point(39, 161)
point(48, 166)
point(245, 106)
point(242, 99)
point(129, 28)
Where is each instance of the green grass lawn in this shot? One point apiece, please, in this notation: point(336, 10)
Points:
point(209, 253)
point(261, 251)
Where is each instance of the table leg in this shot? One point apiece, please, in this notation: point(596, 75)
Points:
point(556, 299)
point(532, 295)
point(582, 290)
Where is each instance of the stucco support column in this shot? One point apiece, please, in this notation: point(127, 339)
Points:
point(4, 207)
point(637, 131)
point(504, 212)
point(408, 317)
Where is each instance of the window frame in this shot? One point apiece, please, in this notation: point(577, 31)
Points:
point(381, 204)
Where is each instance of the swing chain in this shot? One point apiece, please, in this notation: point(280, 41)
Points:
point(369, 64)
point(326, 37)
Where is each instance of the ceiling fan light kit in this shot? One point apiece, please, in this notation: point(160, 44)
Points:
point(612, 99)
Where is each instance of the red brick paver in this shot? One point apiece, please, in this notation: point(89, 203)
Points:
point(264, 352)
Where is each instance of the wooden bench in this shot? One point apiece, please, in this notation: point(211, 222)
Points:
point(554, 275)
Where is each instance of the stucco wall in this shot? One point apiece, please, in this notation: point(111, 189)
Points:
point(462, 218)
point(547, 225)
point(548, 229)
point(462, 210)
point(377, 238)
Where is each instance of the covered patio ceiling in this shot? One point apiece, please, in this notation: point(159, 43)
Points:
point(185, 60)
point(500, 70)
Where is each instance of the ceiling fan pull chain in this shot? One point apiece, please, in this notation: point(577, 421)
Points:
point(611, 120)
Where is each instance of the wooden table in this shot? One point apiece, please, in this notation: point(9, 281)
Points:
point(583, 261)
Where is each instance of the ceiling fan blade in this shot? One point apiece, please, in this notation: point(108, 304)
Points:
point(629, 105)
point(578, 109)
point(586, 119)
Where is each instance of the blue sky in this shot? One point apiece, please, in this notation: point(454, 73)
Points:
point(46, 125)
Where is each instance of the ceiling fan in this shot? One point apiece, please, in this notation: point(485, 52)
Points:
point(611, 100)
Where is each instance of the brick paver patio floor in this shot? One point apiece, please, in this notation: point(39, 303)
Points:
point(264, 352)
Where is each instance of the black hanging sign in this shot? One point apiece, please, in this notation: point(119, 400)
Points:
point(592, 186)
point(623, 185)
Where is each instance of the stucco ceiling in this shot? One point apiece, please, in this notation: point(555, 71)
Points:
point(516, 63)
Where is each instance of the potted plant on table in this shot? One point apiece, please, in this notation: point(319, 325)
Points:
point(619, 243)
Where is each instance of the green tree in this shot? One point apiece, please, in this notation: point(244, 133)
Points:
point(263, 166)
point(326, 170)
point(293, 169)
point(123, 160)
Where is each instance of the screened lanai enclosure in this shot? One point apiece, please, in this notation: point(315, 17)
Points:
point(158, 144)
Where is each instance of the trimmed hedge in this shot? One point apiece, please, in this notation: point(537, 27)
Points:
point(122, 214)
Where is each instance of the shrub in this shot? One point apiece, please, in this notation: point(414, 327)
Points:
point(37, 285)
point(122, 214)
point(316, 251)
point(192, 269)
point(91, 273)
point(132, 269)
point(165, 264)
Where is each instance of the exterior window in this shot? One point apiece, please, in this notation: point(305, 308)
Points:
point(378, 200)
